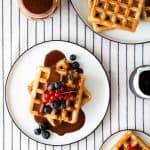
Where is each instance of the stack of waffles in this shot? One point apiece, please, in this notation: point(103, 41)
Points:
point(117, 14)
point(79, 97)
point(130, 141)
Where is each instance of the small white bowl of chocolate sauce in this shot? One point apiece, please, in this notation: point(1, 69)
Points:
point(140, 82)
point(38, 9)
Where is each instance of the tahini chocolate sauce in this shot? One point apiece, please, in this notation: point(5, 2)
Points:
point(50, 60)
point(38, 9)
point(65, 127)
point(38, 6)
point(144, 82)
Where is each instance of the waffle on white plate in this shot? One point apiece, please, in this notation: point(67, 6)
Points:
point(146, 11)
point(79, 95)
point(115, 14)
point(129, 141)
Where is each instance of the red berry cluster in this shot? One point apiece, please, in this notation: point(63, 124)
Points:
point(63, 93)
point(131, 148)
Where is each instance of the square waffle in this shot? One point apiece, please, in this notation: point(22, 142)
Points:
point(129, 139)
point(74, 103)
point(37, 89)
point(146, 11)
point(120, 14)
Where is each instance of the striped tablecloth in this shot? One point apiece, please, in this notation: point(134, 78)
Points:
point(125, 111)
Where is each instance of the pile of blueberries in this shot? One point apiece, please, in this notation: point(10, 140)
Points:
point(43, 130)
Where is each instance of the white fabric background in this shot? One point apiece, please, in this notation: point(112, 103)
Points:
point(125, 110)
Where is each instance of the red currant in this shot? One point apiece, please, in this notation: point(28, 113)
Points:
point(62, 89)
point(66, 97)
point(60, 97)
point(50, 92)
point(131, 148)
point(57, 95)
point(52, 98)
point(46, 96)
point(57, 91)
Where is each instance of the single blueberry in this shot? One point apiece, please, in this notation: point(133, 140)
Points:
point(75, 65)
point(37, 131)
point(55, 105)
point(73, 57)
point(63, 104)
point(46, 134)
point(47, 109)
point(44, 125)
point(57, 85)
point(69, 77)
point(51, 87)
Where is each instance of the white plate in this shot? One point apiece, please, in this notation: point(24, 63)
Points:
point(112, 140)
point(23, 72)
point(141, 35)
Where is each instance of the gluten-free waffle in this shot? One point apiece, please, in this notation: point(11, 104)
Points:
point(118, 14)
point(130, 141)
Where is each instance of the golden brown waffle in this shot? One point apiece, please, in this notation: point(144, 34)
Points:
point(38, 89)
point(120, 14)
point(96, 26)
point(73, 104)
point(130, 139)
point(146, 11)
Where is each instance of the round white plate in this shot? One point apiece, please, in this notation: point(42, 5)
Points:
point(23, 72)
point(113, 139)
point(140, 36)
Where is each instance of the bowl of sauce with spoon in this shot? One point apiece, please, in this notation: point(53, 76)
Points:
point(140, 82)
point(38, 9)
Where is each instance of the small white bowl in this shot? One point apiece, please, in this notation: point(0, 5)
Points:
point(134, 81)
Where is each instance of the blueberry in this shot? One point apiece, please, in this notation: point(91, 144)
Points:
point(63, 104)
point(46, 134)
point(44, 125)
point(47, 109)
point(75, 65)
point(37, 131)
point(69, 77)
point(73, 57)
point(55, 105)
point(51, 87)
point(57, 85)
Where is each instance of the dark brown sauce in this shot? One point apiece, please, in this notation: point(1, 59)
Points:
point(144, 82)
point(50, 60)
point(65, 127)
point(53, 57)
point(38, 6)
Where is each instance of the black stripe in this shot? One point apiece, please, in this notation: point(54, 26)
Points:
point(3, 76)
point(127, 85)
point(44, 30)
point(76, 28)
point(11, 65)
point(68, 20)
point(134, 95)
point(36, 32)
point(143, 99)
point(60, 21)
point(18, 56)
point(110, 83)
point(52, 30)
point(118, 93)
